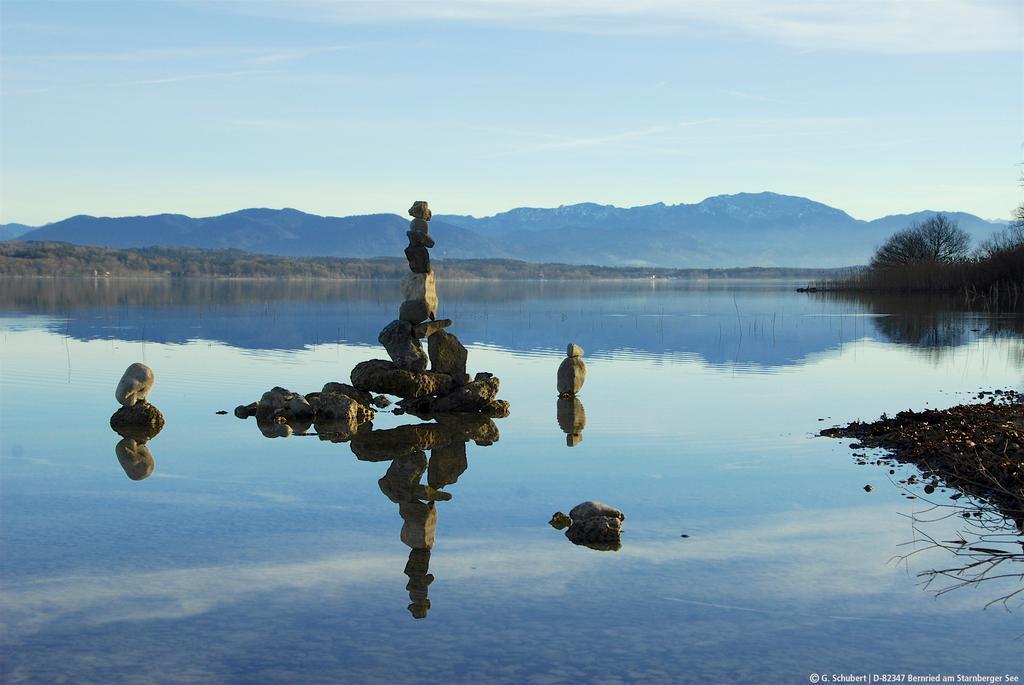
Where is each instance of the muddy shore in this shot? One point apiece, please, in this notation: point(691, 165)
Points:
point(976, 449)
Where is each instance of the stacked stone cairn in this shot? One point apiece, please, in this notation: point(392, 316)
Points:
point(137, 421)
point(445, 387)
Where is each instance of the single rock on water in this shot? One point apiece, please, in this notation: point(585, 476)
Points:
point(572, 371)
point(134, 385)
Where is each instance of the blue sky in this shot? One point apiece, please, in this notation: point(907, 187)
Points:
point(141, 107)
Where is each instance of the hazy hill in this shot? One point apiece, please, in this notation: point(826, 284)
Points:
point(10, 231)
point(764, 229)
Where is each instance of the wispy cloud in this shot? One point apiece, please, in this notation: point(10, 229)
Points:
point(753, 97)
point(549, 142)
point(909, 26)
point(792, 541)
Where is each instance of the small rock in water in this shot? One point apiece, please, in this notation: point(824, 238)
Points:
point(560, 521)
point(868, 488)
point(221, 412)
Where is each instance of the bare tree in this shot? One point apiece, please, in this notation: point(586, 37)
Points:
point(938, 239)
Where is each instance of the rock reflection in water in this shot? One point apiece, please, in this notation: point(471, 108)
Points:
point(591, 524)
point(406, 448)
point(135, 458)
point(572, 419)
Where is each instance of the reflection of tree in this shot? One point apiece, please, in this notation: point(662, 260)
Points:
point(933, 323)
point(989, 550)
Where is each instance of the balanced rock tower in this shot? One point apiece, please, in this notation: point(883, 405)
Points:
point(435, 381)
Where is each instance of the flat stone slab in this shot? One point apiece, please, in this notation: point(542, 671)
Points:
point(380, 376)
point(428, 328)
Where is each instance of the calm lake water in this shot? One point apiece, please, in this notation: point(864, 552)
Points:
point(243, 559)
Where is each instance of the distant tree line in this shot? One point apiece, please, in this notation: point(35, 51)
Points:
point(935, 256)
point(52, 259)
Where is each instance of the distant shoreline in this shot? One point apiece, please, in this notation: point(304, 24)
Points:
point(65, 260)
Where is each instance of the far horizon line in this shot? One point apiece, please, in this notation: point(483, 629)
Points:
point(486, 216)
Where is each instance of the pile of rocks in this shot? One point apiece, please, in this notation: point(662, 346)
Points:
point(338, 410)
point(445, 387)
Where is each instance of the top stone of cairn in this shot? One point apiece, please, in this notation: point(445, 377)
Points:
point(420, 210)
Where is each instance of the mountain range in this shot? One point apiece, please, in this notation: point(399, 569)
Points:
point(746, 229)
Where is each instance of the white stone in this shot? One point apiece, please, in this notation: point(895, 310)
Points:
point(134, 385)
